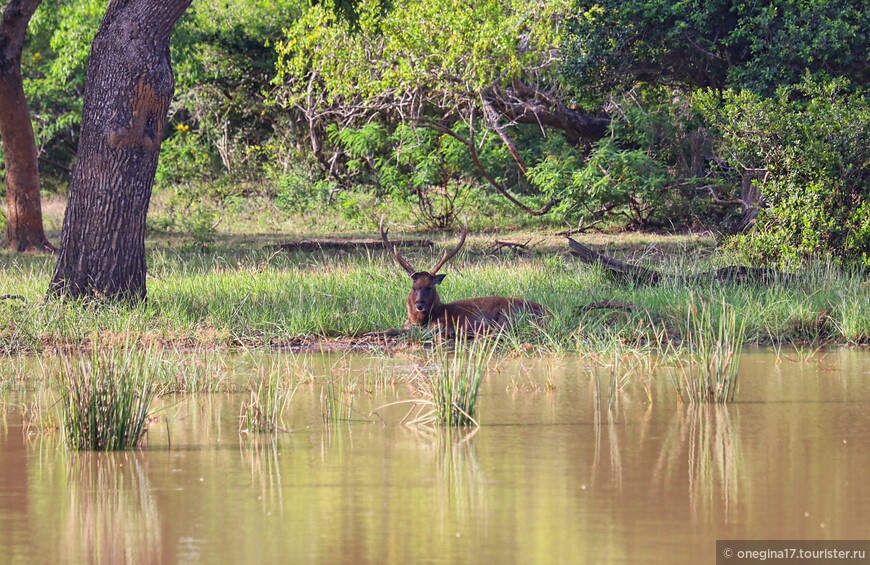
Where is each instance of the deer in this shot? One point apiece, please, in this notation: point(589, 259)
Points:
point(471, 316)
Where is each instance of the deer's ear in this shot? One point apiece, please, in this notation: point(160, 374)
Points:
point(439, 278)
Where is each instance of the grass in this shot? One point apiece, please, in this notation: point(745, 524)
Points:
point(715, 342)
point(451, 382)
point(105, 398)
point(268, 397)
point(336, 400)
point(240, 293)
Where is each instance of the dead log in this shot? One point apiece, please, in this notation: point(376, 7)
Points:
point(625, 272)
point(621, 271)
point(511, 247)
point(325, 244)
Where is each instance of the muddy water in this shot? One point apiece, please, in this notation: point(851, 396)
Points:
point(570, 466)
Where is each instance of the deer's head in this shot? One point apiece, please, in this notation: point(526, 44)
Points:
point(423, 300)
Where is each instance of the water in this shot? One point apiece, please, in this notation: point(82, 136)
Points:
point(570, 466)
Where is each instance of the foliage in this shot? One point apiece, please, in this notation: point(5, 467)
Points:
point(427, 110)
point(446, 51)
point(421, 166)
point(468, 72)
point(54, 64)
point(809, 145)
point(739, 43)
point(224, 61)
point(184, 157)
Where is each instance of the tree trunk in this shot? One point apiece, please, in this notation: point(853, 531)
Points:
point(127, 95)
point(24, 230)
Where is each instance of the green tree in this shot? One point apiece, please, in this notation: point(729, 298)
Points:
point(808, 147)
point(759, 46)
point(491, 67)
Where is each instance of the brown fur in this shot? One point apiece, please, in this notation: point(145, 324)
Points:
point(473, 315)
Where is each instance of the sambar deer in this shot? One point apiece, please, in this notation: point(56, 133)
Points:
point(472, 315)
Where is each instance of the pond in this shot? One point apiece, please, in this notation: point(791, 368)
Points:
point(571, 463)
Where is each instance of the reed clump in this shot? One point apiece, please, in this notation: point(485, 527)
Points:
point(106, 396)
point(336, 400)
point(451, 385)
point(715, 343)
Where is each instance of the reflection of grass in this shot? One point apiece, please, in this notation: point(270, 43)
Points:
point(112, 515)
point(261, 454)
point(706, 442)
point(105, 398)
point(459, 478)
point(715, 342)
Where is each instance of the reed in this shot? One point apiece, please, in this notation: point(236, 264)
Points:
point(336, 400)
point(451, 386)
point(268, 397)
point(715, 342)
point(105, 398)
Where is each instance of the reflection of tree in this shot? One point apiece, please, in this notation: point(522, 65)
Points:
point(704, 439)
point(112, 516)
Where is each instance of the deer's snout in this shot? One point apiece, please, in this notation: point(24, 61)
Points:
point(420, 306)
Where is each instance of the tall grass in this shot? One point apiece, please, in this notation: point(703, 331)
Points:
point(106, 396)
point(336, 400)
point(451, 385)
point(268, 397)
point(715, 342)
point(245, 296)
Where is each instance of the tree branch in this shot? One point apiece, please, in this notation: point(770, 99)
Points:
point(475, 159)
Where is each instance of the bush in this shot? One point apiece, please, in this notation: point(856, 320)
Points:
point(808, 148)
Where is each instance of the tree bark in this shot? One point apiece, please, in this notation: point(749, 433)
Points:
point(127, 95)
point(24, 229)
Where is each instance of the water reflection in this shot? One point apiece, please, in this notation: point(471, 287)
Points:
point(569, 465)
point(260, 454)
point(703, 441)
point(459, 478)
point(111, 516)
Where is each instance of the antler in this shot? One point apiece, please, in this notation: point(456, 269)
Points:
point(390, 247)
point(450, 255)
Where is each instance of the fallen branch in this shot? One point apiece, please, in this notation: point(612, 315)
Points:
point(622, 271)
point(511, 247)
point(641, 275)
point(347, 244)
